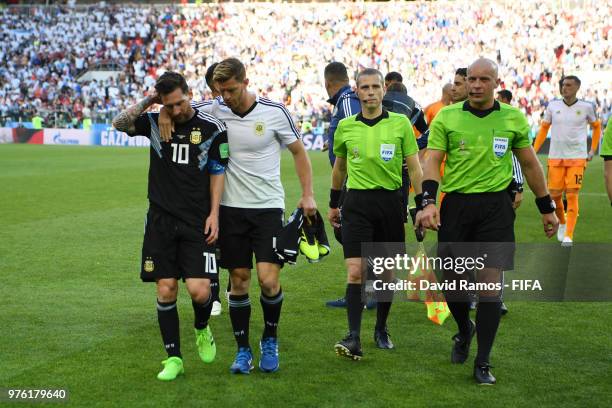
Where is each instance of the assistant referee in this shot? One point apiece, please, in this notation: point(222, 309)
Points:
point(477, 136)
point(372, 146)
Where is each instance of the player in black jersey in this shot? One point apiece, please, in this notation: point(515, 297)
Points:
point(186, 178)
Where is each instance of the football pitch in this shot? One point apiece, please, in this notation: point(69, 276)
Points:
point(75, 315)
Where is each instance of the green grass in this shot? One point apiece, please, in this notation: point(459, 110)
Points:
point(75, 315)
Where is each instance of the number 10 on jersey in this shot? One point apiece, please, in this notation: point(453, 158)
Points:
point(180, 153)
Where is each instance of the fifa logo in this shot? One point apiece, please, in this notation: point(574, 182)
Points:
point(387, 151)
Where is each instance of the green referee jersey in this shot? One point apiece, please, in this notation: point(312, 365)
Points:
point(478, 145)
point(375, 149)
point(606, 145)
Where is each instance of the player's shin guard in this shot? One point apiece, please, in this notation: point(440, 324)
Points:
point(572, 213)
point(488, 316)
point(560, 208)
point(271, 307)
point(167, 316)
point(201, 313)
point(354, 307)
point(240, 315)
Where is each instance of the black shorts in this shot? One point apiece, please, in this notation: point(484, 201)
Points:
point(607, 158)
point(478, 224)
point(244, 231)
point(405, 189)
point(175, 249)
point(371, 216)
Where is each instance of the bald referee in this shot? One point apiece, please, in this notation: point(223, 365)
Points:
point(371, 146)
point(477, 137)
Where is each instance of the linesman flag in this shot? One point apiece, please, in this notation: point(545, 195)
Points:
point(437, 309)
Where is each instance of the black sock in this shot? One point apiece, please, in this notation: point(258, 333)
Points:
point(488, 316)
point(354, 307)
point(240, 314)
point(214, 290)
point(167, 316)
point(461, 313)
point(271, 307)
point(201, 312)
point(382, 312)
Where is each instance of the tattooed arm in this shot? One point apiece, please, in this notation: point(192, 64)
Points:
point(124, 121)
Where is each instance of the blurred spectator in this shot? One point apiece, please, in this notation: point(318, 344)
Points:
point(44, 50)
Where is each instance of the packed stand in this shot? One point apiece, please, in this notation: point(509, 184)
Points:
point(44, 50)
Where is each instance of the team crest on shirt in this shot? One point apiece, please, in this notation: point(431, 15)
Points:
point(578, 113)
point(355, 152)
point(260, 128)
point(196, 136)
point(149, 266)
point(387, 151)
point(500, 146)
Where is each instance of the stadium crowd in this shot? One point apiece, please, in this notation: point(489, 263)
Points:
point(44, 51)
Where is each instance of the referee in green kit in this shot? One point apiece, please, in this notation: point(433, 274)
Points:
point(372, 146)
point(476, 136)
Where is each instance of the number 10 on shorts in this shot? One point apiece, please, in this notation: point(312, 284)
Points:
point(211, 262)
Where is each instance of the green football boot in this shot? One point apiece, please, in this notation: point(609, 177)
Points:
point(323, 250)
point(308, 245)
point(207, 349)
point(173, 367)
